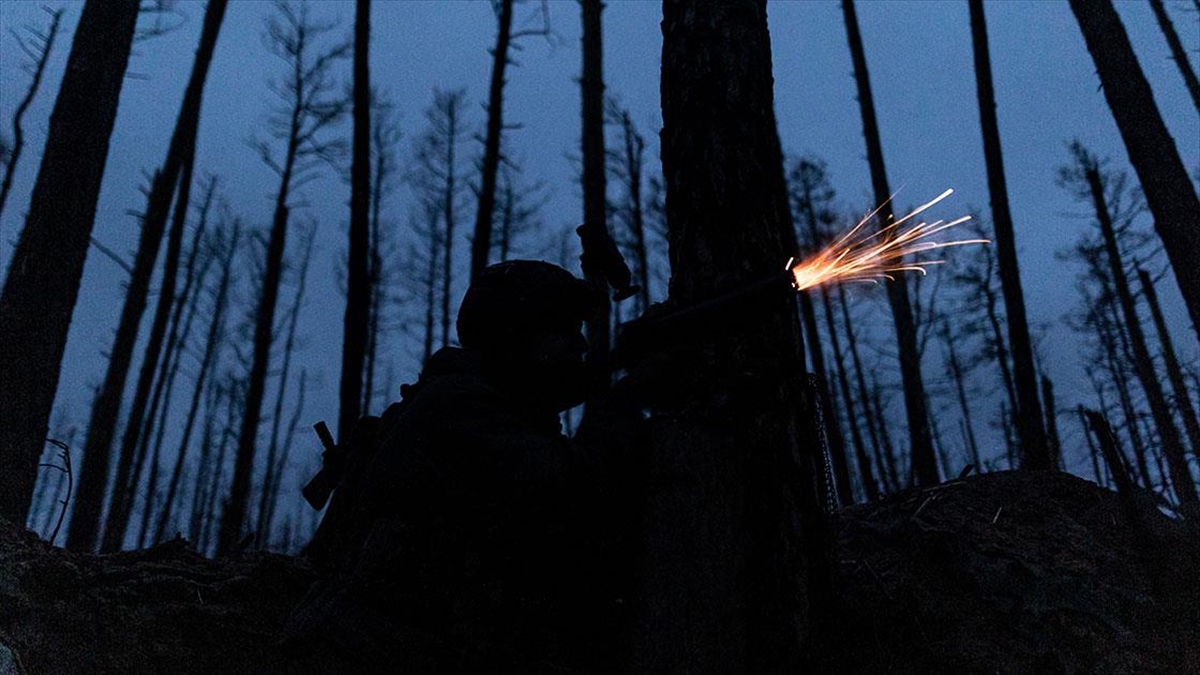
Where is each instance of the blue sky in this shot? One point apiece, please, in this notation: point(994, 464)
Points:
point(919, 56)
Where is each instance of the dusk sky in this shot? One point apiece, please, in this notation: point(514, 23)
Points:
point(920, 61)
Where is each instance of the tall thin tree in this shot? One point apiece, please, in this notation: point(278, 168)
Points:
point(1183, 400)
point(97, 454)
point(482, 240)
point(1031, 432)
point(924, 461)
point(1178, 54)
point(358, 291)
point(595, 180)
point(1087, 168)
point(1152, 152)
point(311, 105)
point(44, 273)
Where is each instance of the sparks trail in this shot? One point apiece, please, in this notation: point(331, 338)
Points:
point(858, 256)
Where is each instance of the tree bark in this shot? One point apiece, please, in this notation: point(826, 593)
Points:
point(1031, 432)
point(1172, 446)
point(1168, 188)
point(1183, 400)
point(358, 291)
point(97, 454)
point(1178, 54)
point(43, 277)
point(595, 186)
point(924, 460)
point(481, 244)
point(722, 586)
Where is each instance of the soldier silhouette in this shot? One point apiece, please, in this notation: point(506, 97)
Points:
point(468, 534)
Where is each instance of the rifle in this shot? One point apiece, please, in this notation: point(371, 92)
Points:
point(333, 462)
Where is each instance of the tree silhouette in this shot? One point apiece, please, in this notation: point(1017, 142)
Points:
point(311, 104)
point(44, 273)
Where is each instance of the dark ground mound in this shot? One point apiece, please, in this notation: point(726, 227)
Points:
point(1001, 573)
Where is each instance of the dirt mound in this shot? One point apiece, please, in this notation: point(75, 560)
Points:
point(1016, 573)
point(165, 609)
point(1001, 573)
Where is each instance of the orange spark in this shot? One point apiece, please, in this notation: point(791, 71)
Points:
point(860, 256)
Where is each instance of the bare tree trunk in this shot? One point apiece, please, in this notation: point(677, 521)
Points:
point(1109, 331)
point(272, 488)
point(156, 420)
point(431, 287)
point(864, 398)
point(44, 273)
point(289, 345)
point(924, 461)
point(1178, 55)
point(1001, 346)
point(1093, 452)
point(634, 146)
point(212, 345)
point(1056, 458)
point(89, 500)
point(1152, 152)
point(722, 586)
point(1031, 433)
point(837, 443)
point(889, 451)
point(866, 474)
point(1183, 401)
point(358, 291)
point(42, 50)
point(311, 108)
point(130, 459)
point(595, 185)
point(960, 389)
point(1113, 458)
point(449, 195)
point(1172, 446)
point(481, 244)
point(204, 469)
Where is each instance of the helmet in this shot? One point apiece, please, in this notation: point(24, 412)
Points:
point(517, 298)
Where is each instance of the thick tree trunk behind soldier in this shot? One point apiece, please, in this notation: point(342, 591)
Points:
point(721, 589)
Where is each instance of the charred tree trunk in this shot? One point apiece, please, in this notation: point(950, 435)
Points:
point(212, 345)
point(358, 291)
point(1113, 458)
point(1178, 55)
point(1031, 433)
point(634, 146)
point(924, 460)
point(46, 41)
point(160, 406)
point(44, 272)
point(869, 414)
point(993, 317)
point(130, 460)
point(1056, 458)
point(1172, 446)
point(289, 345)
point(722, 586)
point(1152, 152)
point(272, 487)
point(312, 107)
point(960, 389)
point(481, 244)
point(595, 183)
point(1110, 333)
point(1183, 400)
point(837, 442)
point(89, 500)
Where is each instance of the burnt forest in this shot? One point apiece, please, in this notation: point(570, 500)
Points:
point(863, 337)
